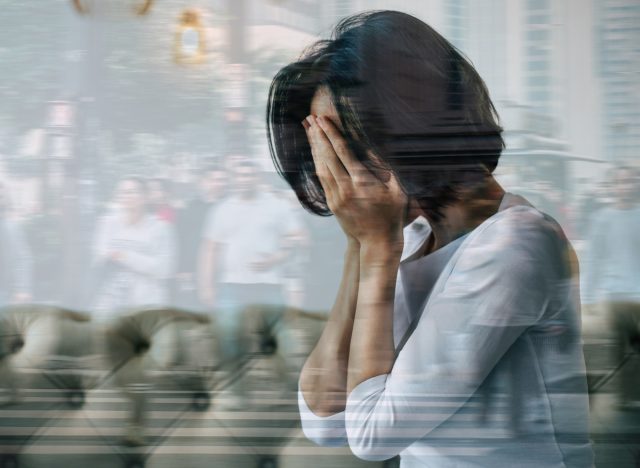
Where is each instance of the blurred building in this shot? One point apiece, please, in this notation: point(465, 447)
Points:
point(618, 57)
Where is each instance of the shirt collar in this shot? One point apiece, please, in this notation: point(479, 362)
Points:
point(417, 231)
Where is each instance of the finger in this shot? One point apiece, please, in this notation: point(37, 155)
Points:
point(320, 168)
point(329, 183)
point(340, 146)
point(360, 174)
point(382, 173)
point(323, 173)
point(327, 152)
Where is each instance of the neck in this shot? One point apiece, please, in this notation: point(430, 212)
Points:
point(472, 209)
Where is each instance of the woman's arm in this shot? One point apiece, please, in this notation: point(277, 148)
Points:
point(500, 286)
point(370, 212)
point(323, 380)
point(372, 350)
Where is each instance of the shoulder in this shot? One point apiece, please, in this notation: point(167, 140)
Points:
point(519, 240)
point(519, 225)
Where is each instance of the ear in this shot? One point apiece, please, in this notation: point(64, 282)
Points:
point(413, 211)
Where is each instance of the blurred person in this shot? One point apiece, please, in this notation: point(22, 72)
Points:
point(190, 223)
point(612, 279)
point(158, 199)
point(589, 201)
point(454, 339)
point(296, 264)
point(133, 253)
point(594, 198)
point(15, 257)
point(45, 231)
point(553, 202)
point(183, 179)
point(247, 236)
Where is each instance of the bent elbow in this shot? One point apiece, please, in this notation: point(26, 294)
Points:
point(328, 431)
point(367, 444)
point(325, 436)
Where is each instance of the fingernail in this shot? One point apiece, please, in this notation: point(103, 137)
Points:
point(321, 122)
point(305, 124)
point(310, 119)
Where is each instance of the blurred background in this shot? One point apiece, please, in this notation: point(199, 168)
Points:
point(95, 90)
point(156, 109)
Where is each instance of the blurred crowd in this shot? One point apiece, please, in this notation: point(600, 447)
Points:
point(170, 263)
point(230, 234)
point(216, 239)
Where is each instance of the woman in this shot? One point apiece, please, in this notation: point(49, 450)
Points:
point(133, 254)
point(454, 338)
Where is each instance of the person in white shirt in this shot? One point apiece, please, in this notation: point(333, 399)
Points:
point(612, 276)
point(133, 254)
point(248, 238)
point(454, 339)
point(15, 257)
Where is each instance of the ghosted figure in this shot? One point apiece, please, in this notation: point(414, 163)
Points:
point(246, 237)
point(612, 274)
point(454, 339)
point(133, 254)
point(15, 257)
point(190, 223)
point(158, 200)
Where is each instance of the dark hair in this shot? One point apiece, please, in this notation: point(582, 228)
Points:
point(402, 91)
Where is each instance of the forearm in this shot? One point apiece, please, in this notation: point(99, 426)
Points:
point(323, 379)
point(372, 348)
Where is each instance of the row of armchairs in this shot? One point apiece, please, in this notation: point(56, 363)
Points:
point(152, 386)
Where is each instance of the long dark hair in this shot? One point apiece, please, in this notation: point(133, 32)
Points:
point(402, 91)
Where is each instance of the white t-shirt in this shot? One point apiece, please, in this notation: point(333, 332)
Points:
point(612, 266)
point(249, 231)
point(493, 373)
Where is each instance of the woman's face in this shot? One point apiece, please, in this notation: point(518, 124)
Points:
point(322, 105)
point(131, 196)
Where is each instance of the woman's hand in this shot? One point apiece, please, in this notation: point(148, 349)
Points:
point(369, 211)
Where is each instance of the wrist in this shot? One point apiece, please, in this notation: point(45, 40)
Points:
point(380, 253)
point(353, 245)
point(384, 247)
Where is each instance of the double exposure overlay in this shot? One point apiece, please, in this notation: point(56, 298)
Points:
point(289, 233)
